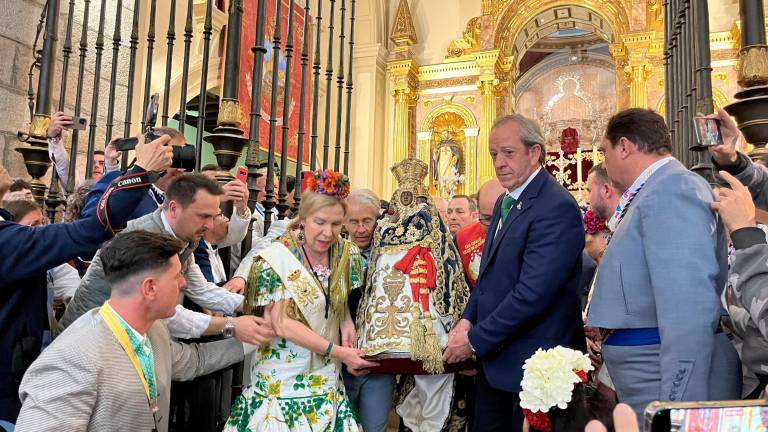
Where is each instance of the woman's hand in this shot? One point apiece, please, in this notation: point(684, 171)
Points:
point(353, 358)
point(348, 335)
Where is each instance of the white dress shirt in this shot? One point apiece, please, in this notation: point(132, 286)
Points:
point(187, 324)
point(518, 191)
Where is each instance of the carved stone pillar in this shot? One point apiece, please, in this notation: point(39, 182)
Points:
point(487, 82)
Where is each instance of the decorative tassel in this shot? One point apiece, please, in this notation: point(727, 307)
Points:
point(433, 355)
point(418, 343)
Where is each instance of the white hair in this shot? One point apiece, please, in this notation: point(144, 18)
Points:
point(364, 197)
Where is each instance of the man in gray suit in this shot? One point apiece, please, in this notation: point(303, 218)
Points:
point(658, 286)
point(111, 370)
point(191, 204)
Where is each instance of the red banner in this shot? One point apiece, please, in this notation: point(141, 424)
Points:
point(250, 9)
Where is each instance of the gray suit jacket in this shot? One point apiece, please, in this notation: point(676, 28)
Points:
point(85, 381)
point(665, 267)
point(94, 289)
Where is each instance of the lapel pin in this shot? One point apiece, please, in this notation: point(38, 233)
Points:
point(519, 205)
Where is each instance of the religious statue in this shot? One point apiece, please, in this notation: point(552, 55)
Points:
point(417, 292)
point(445, 166)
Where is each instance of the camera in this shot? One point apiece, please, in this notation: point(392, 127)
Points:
point(183, 156)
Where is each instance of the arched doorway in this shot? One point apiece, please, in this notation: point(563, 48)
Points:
point(564, 77)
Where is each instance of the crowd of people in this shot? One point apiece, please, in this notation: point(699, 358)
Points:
point(508, 308)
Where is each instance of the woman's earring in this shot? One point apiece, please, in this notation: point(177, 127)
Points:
point(301, 233)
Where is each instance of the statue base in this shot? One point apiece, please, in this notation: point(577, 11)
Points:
point(401, 363)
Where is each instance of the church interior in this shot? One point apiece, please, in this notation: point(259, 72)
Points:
point(382, 79)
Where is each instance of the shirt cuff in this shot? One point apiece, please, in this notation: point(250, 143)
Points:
point(744, 238)
point(187, 324)
point(234, 301)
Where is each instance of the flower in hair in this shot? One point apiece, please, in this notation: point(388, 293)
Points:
point(592, 223)
point(549, 378)
point(329, 182)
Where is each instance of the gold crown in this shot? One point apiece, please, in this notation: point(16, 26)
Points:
point(410, 174)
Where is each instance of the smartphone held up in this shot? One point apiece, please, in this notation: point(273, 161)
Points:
point(708, 131)
point(721, 416)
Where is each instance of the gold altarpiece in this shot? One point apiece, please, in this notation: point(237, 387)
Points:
point(460, 98)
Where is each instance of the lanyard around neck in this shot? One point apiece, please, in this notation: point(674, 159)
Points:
point(113, 322)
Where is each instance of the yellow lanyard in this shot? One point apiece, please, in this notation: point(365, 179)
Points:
point(118, 330)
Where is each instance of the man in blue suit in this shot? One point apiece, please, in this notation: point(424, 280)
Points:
point(28, 252)
point(658, 286)
point(527, 293)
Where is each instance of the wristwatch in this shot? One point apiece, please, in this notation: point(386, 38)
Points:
point(229, 328)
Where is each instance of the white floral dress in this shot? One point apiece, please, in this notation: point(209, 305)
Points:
point(294, 389)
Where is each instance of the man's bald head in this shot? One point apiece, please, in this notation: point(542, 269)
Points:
point(487, 196)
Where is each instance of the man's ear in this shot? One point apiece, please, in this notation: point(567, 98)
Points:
point(626, 147)
point(149, 288)
point(605, 190)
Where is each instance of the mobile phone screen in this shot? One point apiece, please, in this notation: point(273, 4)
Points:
point(715, 419)
point(708, 132)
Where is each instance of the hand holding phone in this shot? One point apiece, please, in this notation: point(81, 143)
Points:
point(242, 174)
point(79, 123)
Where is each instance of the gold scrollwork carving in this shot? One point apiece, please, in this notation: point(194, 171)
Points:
point(38, 128)
point(230, 113)
point(753, 66)
point(469, 42)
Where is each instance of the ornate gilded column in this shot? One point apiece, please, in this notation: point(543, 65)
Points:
point(404, 83)
point(487, 82)
point(403, 70)
point(470, 159)
point(637, 77)
point(619, 54)
point(637, 69)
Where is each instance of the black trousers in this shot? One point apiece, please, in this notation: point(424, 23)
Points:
point(496, 410)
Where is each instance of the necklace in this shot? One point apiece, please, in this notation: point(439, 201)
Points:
point(321, 273)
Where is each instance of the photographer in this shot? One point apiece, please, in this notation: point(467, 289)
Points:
point(57, 153)
point(28, 252)
point(745, 294)
point(155, 195)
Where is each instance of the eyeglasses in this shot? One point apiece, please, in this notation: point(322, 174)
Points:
point(367, 223)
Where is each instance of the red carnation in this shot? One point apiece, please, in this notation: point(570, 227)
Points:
point(592, 223)
point(582, 375)
point(538, 420)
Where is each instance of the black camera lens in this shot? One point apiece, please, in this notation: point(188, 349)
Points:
point(184, 157)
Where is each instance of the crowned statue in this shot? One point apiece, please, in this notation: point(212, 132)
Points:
point(417, 293)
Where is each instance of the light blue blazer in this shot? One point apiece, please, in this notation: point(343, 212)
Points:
point(665, 267)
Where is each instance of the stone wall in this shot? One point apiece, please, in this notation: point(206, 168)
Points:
point(18, 24)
